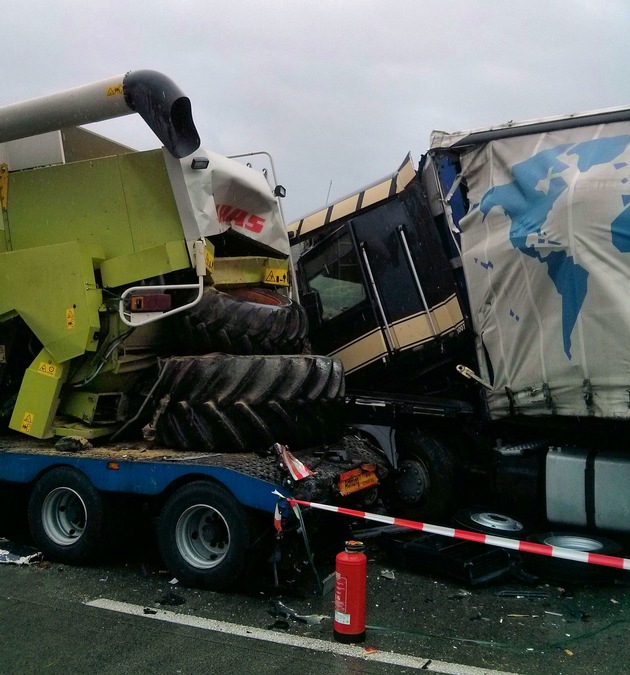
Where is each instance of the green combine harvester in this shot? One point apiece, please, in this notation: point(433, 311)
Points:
point(114, 261)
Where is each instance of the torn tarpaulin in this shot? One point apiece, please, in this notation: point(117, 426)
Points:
point(14, 554)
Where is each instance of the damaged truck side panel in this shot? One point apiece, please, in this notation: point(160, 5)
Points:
point(516, 364)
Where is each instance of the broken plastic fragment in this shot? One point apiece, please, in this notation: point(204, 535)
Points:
point(279, 610)
point(296, 469)
point(14, 554)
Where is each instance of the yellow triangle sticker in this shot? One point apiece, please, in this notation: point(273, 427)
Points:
point(116, 90)
point(27, 423)
point(276, 276)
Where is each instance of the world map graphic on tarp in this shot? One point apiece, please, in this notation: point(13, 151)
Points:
point(528, 199)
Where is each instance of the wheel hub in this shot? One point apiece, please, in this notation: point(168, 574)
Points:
point(64, 516)
point(412, 481)
point(496, 521)
point(202, 536)
point(574, 542)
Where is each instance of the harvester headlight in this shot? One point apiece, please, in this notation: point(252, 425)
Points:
point(199, 163)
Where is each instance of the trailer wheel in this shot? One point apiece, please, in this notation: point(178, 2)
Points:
point(247, 403)
point(66, 516)
point(570, 571)
point(203, 536)
point(241, 321)
point(424, 483)
point(489, 522)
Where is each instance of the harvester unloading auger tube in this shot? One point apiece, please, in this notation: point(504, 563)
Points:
point(96, 252)
point(156, 98)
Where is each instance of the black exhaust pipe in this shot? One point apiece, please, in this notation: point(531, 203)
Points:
point(155, 97)
point(165, 109)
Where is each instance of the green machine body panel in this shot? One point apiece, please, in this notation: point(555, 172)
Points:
point(38, 399)
point(4, 194)
point(126, 269)
point(124, 204)
point(53, 289)
point(69, 230)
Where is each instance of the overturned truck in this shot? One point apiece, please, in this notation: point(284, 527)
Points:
point(479, 306)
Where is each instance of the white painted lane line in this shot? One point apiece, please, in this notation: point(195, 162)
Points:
point(252, 633)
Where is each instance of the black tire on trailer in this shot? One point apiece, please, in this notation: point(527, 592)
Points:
point(66, 516)
point(489, 522)
point(203, 536)
point(424, 483)
point(241, 321)
point(571, 571)
point(221, 402)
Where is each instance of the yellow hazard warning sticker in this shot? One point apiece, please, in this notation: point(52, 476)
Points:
point(47, 369)
point(115, 90)
point(279, 277)
point(27, 422)
point(70, 318)
point(209, 256)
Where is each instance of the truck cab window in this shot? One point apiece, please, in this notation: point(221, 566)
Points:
point(335, 274)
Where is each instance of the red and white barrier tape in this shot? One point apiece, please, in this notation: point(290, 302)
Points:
point(515, 544)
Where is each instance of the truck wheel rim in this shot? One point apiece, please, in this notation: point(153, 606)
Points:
point(496, 521)
point(202, 536)
point(412, 481)
point(574, 542)
point(64, 516)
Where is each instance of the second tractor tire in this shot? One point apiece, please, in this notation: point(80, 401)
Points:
point(223, 403)
point(241, 321)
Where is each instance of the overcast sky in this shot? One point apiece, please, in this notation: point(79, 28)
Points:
point(335, 90)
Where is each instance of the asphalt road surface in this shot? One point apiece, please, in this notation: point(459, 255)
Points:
point(127, 615)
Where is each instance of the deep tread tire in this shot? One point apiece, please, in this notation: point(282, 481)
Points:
point(242, 321)
point(203, 536)
point(66, 516)
point(222, 403)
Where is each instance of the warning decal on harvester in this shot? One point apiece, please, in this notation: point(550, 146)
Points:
point(70, 318)
point(276, 276)
point(27, 422)
point(209, 257)
point(115, 90)
point(47, 369)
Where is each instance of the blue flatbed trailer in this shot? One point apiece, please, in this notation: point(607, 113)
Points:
point(134, 469)
point(204, 501)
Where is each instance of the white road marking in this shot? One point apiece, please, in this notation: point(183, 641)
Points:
point(252, 633)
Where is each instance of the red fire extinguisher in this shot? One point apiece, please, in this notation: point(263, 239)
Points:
point(350, 584)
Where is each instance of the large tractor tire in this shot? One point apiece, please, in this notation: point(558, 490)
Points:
point(222, 403)
point(242, 321)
